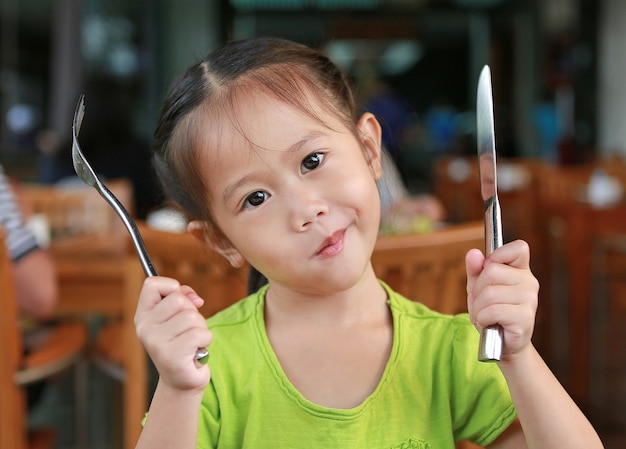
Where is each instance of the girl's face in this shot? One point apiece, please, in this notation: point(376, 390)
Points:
point(295, 198)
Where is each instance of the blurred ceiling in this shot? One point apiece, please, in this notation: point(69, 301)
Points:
point(358, 4)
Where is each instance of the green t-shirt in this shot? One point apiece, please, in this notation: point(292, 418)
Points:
point(432, 393)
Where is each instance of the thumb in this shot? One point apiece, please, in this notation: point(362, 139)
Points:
point(474, 260)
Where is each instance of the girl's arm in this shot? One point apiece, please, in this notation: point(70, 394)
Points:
point(171, 329)
point(172, 419)
point(549, 417)
point(502, 289)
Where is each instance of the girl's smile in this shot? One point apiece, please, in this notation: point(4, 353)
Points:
point(332, 245)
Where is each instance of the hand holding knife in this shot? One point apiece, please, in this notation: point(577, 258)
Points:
point(491, 339)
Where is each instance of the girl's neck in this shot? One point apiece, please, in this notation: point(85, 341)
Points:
point(332, 348)
point(365, 301)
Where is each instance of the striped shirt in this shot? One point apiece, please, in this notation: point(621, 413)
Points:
point(20, 239)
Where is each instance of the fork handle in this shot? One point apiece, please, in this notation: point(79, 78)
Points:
point(202, 354)
point(140, 247)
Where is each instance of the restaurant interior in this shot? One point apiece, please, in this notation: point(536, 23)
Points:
point(560, 136)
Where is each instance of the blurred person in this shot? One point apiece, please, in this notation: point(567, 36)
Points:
point(394, 114)
point(545, 120)
point(34, 271)
point(402, 211)
point(441, 121)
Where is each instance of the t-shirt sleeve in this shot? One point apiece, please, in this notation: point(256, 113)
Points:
point(20, 239)
point(209, 420)
point(481, 402)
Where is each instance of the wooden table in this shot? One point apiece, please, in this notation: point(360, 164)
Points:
point(94, 281)
point(581, 223)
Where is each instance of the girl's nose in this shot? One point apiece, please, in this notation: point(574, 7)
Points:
point(305, 208)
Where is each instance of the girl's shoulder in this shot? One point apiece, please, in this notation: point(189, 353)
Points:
point(415, 309)
point(416, 319)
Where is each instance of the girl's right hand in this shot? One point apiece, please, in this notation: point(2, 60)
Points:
point(171, 330)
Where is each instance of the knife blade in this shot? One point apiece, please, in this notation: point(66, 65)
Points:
point(491, 338)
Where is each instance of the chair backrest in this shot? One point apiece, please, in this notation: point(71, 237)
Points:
point(12, 402)
point(569, 183)
point(185, 258)
point(77, 209)
point(456, 185)
point(429, 268)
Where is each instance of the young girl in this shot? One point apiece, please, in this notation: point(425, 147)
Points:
point(260, 144)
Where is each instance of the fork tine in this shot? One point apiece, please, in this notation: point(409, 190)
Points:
point(81, 166)
point(78, 116)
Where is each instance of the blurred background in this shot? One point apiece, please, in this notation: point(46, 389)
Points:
point(558, 98)
point(555, 66)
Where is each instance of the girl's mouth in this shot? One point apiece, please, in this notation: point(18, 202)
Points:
point(332, 245)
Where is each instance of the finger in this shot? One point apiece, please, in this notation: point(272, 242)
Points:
point(182, 335)
point(524, 293)
point(473, 267)
point(496, 274)
point(505, 305)
point(182, 321)
point(517, 322)
point(515, 254)
point(162, 332)
point(509, 316)
point(172, 304)
point(154, 289)
point(503, 283)
point(192, 295)
point(194, 338)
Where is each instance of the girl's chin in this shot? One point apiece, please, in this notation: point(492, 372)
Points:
point(327, 283)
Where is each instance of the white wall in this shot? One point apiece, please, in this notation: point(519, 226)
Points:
point(611, 125)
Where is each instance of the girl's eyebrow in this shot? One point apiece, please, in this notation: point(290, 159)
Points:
point(230, 189)
point(309, 137)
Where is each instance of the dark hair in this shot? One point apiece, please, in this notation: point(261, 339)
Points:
point(289, 71)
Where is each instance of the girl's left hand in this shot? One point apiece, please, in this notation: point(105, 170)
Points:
point(502, 290)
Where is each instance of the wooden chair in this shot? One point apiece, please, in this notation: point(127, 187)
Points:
point(117, 349)
point(456, 185)
point(77, 209)
point(429, 268)
point(608, 330)
point(557, 188)
point(62, 348)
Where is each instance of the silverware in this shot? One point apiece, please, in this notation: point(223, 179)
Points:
point(88, 176)
point(491, 339)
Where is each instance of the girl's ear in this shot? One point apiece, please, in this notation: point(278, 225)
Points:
point(371, 134)
point(216, 241)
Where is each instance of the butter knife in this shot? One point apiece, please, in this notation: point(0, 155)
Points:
point(491, 338)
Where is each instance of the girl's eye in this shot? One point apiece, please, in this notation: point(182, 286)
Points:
point(311, 162)
point(255, 199)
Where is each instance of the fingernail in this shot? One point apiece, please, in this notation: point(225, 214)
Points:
point(193, 296)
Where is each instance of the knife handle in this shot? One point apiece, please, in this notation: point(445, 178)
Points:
point(490, 347)
point(491, 337)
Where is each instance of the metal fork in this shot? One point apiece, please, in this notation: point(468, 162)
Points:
point(88, 176)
